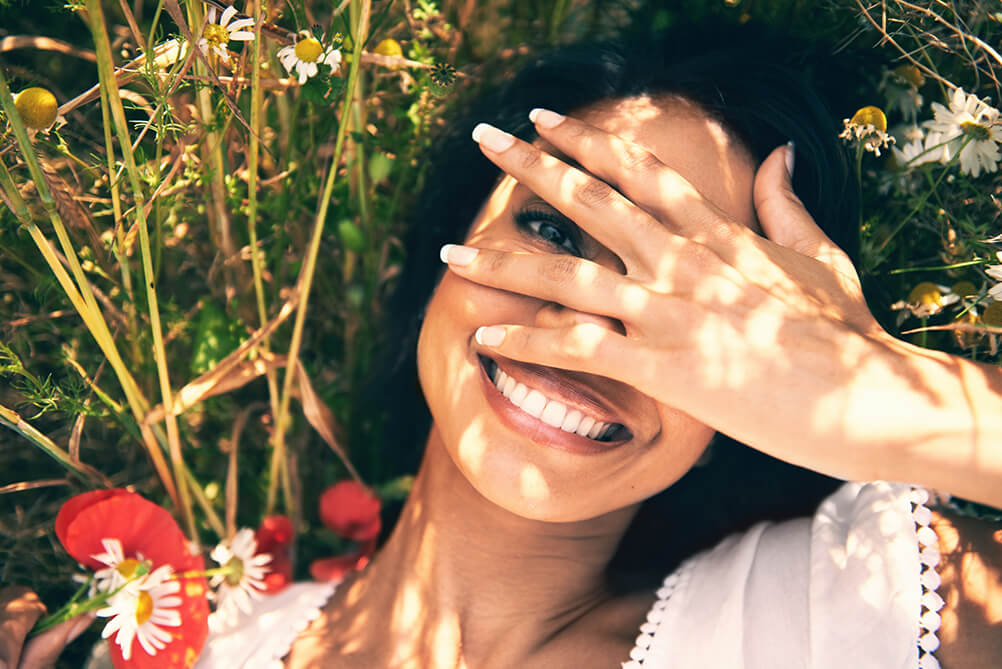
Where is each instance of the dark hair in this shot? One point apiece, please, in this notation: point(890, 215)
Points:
point(758, 86)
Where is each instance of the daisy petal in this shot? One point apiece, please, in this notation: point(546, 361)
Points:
point(228, 14)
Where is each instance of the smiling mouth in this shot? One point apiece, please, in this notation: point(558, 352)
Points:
point(551, 411)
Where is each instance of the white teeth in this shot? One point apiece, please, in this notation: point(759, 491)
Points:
point(533, 403)
point(571, 421)
point(554, 413)
point(549, 411)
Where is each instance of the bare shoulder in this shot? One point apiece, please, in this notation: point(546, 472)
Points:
point(971, 571)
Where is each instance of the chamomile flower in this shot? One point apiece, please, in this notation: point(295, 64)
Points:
point(971, 127)
point(918, 148)
point(216, 36)
point(141, 610)
point(243, 580)
point(307, 54)
point(901, 88)
point(37, 107)
point(995, 272)
point(120, 569)
point(869, 127)
point(925, 299)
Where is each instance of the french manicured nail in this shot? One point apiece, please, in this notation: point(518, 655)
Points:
point(454, 254)
point(489, 336)
point(546, 118)
point(791, 151)
point(491, 138)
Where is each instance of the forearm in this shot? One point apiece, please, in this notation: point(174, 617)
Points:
point(929, 418)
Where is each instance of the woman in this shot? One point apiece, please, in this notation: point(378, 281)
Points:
point(640, 276)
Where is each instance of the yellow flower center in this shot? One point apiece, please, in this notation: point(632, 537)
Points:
point(870, 116)
point(975, 131)
point(37, 107)
point(389, 47)
point(309, 50)
point(216, 35)
point(236, 571)
point(925, 294)
point(144, 607)
point(964, 289)
point(128, 567)
point(993, 315)
point(911, 74)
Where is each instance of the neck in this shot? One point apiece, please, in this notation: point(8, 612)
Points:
point(462, 580)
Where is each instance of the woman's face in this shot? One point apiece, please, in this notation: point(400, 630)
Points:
point(529, 465)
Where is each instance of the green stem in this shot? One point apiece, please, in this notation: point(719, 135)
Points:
point(309, 267)
point(254, 150)
point(84, 303)
point(109, 87)
point(969, 263)
point(922, 200)
point(14, 421)
point(120, 233)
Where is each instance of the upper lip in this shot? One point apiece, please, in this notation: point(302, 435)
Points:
point(596, 396)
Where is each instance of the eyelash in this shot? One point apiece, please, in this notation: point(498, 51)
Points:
point(526, 219)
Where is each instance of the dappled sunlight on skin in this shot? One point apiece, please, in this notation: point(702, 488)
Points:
point(971, 630)
point(533, 484)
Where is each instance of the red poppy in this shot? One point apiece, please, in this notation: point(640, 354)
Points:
point(149, 532)
point(274, 537)
point(351, 510)
point(335, 568)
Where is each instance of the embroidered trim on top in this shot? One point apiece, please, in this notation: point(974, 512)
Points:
point(931, 602)
point(643, 644)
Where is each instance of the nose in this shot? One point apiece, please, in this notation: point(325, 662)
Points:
point(555, 315)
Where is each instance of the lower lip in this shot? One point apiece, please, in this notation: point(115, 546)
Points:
point(538, 431)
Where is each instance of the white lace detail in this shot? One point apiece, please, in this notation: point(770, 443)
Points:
point(929, 619)
point(654, 617)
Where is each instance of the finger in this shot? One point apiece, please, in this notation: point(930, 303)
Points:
point(605, 214)
point(584, 347)
point(19, 609)
point(784, 218)
point(573, 282)
point(43, 650)
point(631, 168)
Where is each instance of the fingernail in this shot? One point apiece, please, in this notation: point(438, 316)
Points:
point(546, 118)
point(454, 254)
point(491, 138)
point(791, 150)
point(489, 336)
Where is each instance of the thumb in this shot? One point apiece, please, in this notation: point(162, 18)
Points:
point(783, 216)
point(43, 650)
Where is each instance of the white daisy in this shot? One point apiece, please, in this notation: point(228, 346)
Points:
point(995, 272)
point(216, 36)
point(120, 569)
point(242, 582)
point(141, 609)
point(971, 127)
point(306, 54)
point(919, 147)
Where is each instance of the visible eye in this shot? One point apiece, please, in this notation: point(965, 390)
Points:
point(551, 227)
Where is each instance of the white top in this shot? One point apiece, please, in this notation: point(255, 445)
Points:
point(852, 587)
